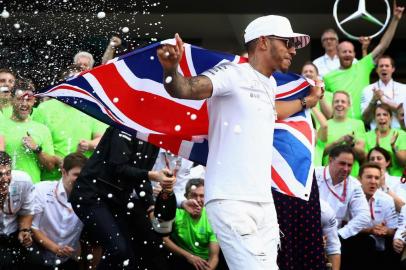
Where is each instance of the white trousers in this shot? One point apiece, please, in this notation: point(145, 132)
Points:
point(248, 233)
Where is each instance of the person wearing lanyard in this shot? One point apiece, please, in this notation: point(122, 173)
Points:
point(384, 91)
point(16, 213)
point(384, 219)
point(344, 194)
point(55, 226)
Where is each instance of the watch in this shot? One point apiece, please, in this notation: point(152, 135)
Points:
point(303, 102)
point(37, 150)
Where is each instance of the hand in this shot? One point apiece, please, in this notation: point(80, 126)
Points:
point(29, 142)
point(378, 95)
point(156, 189)
point(398, 245)
point(324, 241)
point(191, 206)
point(83, 146)
point(169, 56)
point(394, 138)
point(64, 251)
point(198, 262)
point(25, 238)
point(380, 230)
point(365, 41)
point(348, 139)
point(115, 42)
point(397, 11)
point(166, 179)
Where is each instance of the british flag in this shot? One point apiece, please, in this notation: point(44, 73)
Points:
point(128, 93)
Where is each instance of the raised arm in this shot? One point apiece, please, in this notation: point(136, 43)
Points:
point(198, 87)
point(389, 33)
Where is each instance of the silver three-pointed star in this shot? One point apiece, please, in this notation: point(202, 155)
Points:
point(362, 12)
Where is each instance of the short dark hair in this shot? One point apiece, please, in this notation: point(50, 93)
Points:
point(197, 182)
point(310, 63)
point(23, 84)
point(250, 46)
point(385, 56)
point(385, 107)
point(368, 165)
point(339, 149)
point(74, 160)
point(5, 159)
point(383, 151)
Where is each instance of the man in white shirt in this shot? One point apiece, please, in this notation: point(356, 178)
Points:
point(344, 194)
point(329, 61)
point(242, 112)
point(385, 90)
point(16, 209)
point(384, 218)
point(55, 226)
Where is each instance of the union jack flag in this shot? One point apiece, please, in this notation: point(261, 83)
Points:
point(128, 93)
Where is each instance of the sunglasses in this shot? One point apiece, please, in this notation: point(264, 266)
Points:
point(290, 42)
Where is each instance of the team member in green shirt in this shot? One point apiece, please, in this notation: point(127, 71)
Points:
point(7, 81)
point(392, 140)
point(28, 143)
point(342, 129)
point(355, 77)
point(192, 240)
point(71, 131)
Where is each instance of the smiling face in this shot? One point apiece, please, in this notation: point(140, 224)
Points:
point(341, 104)
point(385, 69)
point(309, 71)
point(7, 81)
point(22, 102)
point(346, 54)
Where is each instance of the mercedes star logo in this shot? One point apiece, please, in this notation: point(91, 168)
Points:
point(362, 13)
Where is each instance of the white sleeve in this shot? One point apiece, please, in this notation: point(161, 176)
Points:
point(27, 207)
point(391, 216)
point(220, 77)
point(401, 224)
point(329, 226)
point(360, 215)
point(366, 97)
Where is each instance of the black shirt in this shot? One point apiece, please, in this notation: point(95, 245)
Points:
point(119, 165)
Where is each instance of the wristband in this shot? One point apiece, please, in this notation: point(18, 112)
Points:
point(37, 150)
point(303, 102)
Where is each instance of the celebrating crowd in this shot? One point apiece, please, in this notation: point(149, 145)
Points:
point(78, 194)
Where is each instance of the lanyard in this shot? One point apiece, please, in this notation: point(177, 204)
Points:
point(344, 195)
point(59, 201)
point(371, 208)
point(10, 211)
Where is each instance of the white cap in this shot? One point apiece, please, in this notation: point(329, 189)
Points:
point(274, 25)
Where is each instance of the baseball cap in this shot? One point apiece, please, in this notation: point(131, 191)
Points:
point(274, 25)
